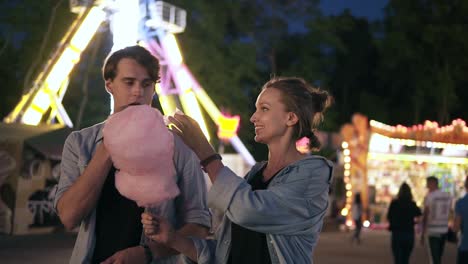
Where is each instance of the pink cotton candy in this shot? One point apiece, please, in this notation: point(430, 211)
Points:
point(142, 149)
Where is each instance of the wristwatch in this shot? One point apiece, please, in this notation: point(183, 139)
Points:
point(148, 254)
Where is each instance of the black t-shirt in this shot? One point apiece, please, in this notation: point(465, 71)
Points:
point(118, 224)
point(248, 246)
point(401, 215)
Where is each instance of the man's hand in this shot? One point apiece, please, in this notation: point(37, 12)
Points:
point(129, 255)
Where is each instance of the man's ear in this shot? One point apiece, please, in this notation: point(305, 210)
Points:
point(109, 87)
point(292, 119)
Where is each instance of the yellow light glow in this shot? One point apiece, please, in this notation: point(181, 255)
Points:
point(184, 80)
point(347, 159)
point(346, 173)
point(228, 126)
point(167, 104)
point(344, 145)
point(32, 117)
point(366, 223)
point(417, 158)
point(346, 152)
point(349, 222)
point(349, 193)
point(348, 186)
point(87, 29)
point(347, 166)
point(344, 211)
point(41, 100)
point(62, 68)
point(191, 108)
point(208, 105)
point(173, 52)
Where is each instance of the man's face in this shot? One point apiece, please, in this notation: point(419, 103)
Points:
point(430, 185)
point(131, 85)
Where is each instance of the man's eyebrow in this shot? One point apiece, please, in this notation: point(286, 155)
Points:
point(128, 78)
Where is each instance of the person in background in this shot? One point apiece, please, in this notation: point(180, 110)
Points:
point(356, 211)
point(276, 213)
point(402, 215)
point(461, 224)
point(437, 205)
point(110, 229)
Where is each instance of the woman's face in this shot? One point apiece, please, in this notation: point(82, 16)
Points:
point(271, 121)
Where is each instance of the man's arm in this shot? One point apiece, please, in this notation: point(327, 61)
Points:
point(424, 223)
point(457, 223)
point(78, 201)
point(191, 203)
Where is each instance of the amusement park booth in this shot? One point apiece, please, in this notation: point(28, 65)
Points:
point(378, 158)
point(30, 166)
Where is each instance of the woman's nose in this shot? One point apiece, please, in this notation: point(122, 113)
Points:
point(253, 118)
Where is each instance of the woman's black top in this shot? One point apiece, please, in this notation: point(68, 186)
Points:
point(248, 246)
point(118, 224)
point(401, 215)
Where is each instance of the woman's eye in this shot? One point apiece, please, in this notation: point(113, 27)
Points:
point(264, 109)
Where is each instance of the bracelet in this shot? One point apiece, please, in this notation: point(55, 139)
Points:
point(211, 158)
point(148, 254)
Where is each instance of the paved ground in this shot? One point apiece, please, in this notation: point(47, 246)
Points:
point(336, 248)
point(333, 248)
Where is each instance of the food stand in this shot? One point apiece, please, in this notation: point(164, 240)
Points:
point(378, 158)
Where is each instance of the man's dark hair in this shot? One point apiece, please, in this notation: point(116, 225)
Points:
point(138, 53)
point(433, 179)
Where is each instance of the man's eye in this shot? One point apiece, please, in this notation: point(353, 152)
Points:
point(129, 83)
point(148, 85)
point(264, 109)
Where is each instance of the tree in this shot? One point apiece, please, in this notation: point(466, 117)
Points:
point(421, 66)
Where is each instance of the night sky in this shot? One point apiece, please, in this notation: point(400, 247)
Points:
point(370, 9)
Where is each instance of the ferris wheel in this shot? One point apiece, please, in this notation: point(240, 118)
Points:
point(149, 23)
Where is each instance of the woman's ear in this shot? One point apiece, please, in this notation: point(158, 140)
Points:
point(292, 119)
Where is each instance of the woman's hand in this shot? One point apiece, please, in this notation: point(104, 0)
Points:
point(158, 229)
point(190, 132)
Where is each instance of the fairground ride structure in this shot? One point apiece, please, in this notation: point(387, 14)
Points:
point(149, 23)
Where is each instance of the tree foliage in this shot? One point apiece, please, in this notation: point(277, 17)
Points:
point(405, 69)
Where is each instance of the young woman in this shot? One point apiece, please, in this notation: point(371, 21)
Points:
point(401, 216)
point(275, 214)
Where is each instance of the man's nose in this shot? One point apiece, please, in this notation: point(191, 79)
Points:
point(137, 89)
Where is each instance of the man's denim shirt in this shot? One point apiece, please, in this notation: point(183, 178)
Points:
point(290, 211)
point(189, 207)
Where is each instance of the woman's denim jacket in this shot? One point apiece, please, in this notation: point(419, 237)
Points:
point(290, 211)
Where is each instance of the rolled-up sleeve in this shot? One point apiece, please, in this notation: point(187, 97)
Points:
point(191, 203)
point(205, 251)
point(292, 206)
point(69, 170)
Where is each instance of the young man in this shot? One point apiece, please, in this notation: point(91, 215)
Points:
point(110, 228)
point(461, 223)
point(436, 213)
